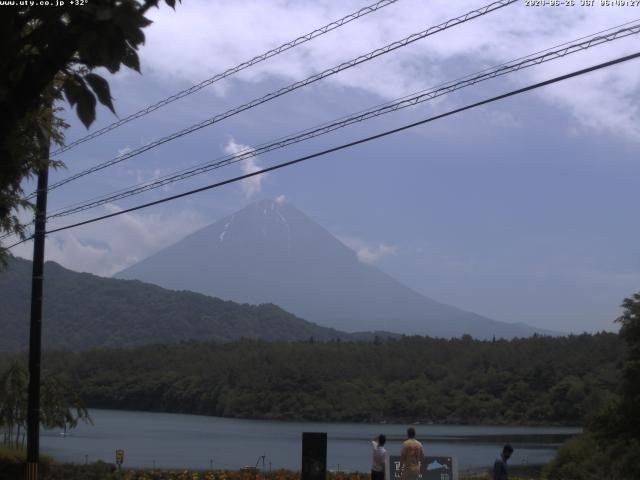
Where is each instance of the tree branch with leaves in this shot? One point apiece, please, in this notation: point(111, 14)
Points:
point(61, 407)
point(49, 52)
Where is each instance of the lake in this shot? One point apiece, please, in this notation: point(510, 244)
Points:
point(199, 442)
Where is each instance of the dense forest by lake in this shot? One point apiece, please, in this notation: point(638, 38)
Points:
point(539, 380)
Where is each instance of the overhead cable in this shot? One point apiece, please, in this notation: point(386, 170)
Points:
point(356, 142)
point(393, 106)
point(227, 73)
point(270, 96)
point(163, 180)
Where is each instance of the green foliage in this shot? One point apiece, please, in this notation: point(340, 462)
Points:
point(587, 458)
point(407, 379)
point(60, 406)
point(630, 333)
point(13, 461)
point(579, 458)
point(82, 311)
point(104, 471)
point(610, 448)
point(92, 471)
point(516, 472)
point(13, 404)
point(44, 53)
point(23, 156)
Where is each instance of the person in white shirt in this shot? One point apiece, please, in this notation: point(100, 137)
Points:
point(380, 463)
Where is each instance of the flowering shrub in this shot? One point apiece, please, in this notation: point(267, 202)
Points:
point(160, 474)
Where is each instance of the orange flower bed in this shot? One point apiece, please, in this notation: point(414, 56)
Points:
point(160, 474)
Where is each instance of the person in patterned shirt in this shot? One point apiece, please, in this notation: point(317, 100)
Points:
point(411, 456)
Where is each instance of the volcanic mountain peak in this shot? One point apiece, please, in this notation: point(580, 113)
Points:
point(271, 252)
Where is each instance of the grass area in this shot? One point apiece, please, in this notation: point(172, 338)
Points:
point(13, 460)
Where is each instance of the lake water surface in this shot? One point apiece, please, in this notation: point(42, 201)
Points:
point(197, 442)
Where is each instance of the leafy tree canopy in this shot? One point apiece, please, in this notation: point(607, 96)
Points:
point(60, 406)
point(47, 52)
point(535, 380)
point(610, 447)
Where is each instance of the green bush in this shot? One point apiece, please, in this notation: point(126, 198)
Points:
point(578, 459)
point(13, 462)
point(587, 458)
point(92, 471)
point(610, 448)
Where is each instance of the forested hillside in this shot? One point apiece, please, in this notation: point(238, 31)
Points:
point(83, 311)
point(535, 380)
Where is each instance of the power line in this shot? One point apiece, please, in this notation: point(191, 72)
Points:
point(210, 165)
point(140, 188)
point(326, 128)
point(17, 243)
point(10, 234)
point(294, 86)
point(404, 102)
point(357, 142)
point(231, 71)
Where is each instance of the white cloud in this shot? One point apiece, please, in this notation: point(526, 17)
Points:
point(124, 150)
point(367, 252)
point(104, 248)
point(606, 102)
point(144, 176)
point(252, 185)
point(281, 199)
point(373, 254)
point(503, 119)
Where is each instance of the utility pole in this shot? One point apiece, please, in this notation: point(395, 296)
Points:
point(35, 332)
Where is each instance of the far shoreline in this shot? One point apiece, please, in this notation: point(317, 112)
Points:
point(405, 422)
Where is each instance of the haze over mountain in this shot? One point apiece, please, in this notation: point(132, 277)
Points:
point(83, 311)
point(270, 252)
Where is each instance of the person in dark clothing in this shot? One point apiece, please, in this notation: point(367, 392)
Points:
point(500, 465)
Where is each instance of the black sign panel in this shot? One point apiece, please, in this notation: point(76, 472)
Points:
point(314, 456)
point(434, 468)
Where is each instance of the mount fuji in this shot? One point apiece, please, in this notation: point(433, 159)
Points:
point(270, 252)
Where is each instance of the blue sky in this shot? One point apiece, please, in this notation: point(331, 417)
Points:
point(523, 210)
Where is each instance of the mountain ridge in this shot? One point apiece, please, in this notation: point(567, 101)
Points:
point(271, 252)
point(83, 311)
